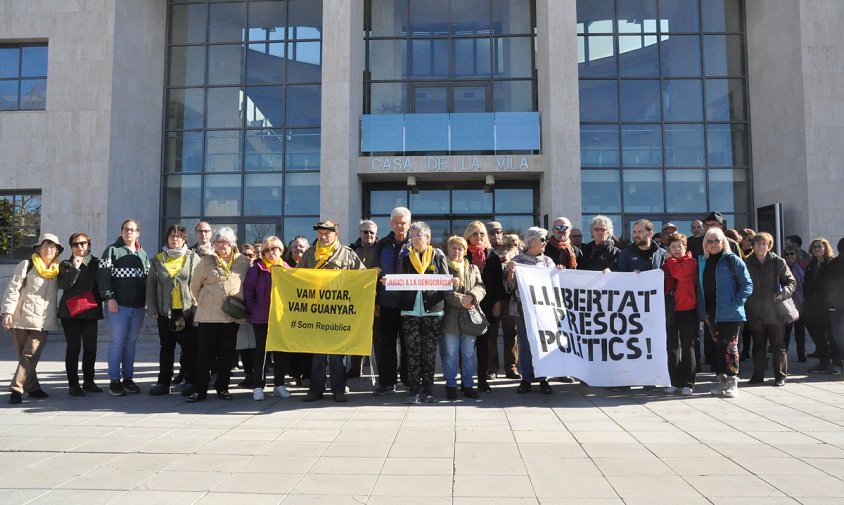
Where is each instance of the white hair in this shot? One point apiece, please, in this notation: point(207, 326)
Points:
point(400, 212)
point(227, 234)
point(604, 220)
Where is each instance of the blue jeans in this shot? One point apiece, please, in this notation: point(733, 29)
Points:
point(525, 356)
point(124, 326)
point(456, 347)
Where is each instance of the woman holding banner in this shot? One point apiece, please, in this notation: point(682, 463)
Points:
point(535, 241)
point(680, 272)
point(722, 291)
point(422, 313)
point(456, 347)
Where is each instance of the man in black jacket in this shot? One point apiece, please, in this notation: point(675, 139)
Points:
point(562, 251)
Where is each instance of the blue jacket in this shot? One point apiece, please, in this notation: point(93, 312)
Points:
point(732, 290)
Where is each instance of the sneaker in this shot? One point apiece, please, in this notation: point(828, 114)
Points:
point(281, 392)
point(159, 390)
point(779, 383)
point(512, 374)
point(383, 390)
point(544, 387)
point(130, 386)
point(686, 392)
point(731, 389)
point(720, 385)
point(116, 388)
point(90, 387)
point(670, 390)
point(566, 379)
point(414, 399)
point(15, 398)
point(834, 370)
point(258, 394)
point(819, 369)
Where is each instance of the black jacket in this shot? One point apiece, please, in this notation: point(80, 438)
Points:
point(75, 281)
point(832, 284)
point(598, 258)
point(761, 307)
point(432, 300)
point(388, 257)
point(493, 279)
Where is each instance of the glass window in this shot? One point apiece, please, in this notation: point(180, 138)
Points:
point(23, 83)
point(300, 227)
point(254, 233)
point(187, 66)
point(596, 56)
point(387, 59)
point(640, 100)
point(9, 95)
point(265, 63)
point(682, 100)
point(598, 101)
point(679, 15)
point(188, 23)
point(9, 62)
point(595, 16)
point(723, 55)
point(303, 105)
point(514, 200)
point(638, 56)
point(429, 58)
point(222, 195)
point(643, 191)
point(304, 62)
point(430, 99)
point(513, 57)
point(303, 149)
point(684, 145)
point(680, 56)
point(721, 16)
point(470, 99)
point(470, 17)
point(725, 100)
point(182, 195)
point(263, 194)
point(267, 20)
point(471, 58)
point(513, 96)
point(599, 145)
point(185, 108)
point(426, 17)
point(264, 106)
point(184, 152)
point(384, 201)
point(227, 22)
point(388, 98)
point(601, 191)
point(685, 191)
point(264, 151)
point(728, 190)
point(20, 224)
point(33, 94)
point(223, 108)
point(637, 16)
point(304, 19)
point(512, 16)
point(388, 18)
point(223, 151)
point(471, 201)
point(301, 193)
point(34, 61)
point(225, 64)
point(516, 224)
point(430, 202)
point(641, 145)
point(727, 145)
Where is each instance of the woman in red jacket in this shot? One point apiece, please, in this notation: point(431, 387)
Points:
point(680, 277)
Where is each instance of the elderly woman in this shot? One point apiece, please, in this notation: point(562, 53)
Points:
point(29, 310)
point(79, 310)
point(534, 254)
point(680, 273)
point(480, 253)
point(723, 288)
point(772, 283)
point(170, 302)
point(122, 278)
point(457, 347)
point(816, 310)
point(421, 314)
point(256, 294)
point(217, 276)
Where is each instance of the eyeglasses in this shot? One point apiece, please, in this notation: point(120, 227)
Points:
point(478, 234)
point(367, 232)
point(542, 239)
point(561, 227)
point(79, 244)
point(274, 248)
point(209, 230)
point(495, 232)
point(131, 230)
point(817, 246)
point(418, 235)
point(222, 241)
point(713, 241)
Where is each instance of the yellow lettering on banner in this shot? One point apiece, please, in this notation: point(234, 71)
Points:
point(321, 311)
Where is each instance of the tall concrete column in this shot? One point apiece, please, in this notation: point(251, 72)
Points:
point(556, 62)
point(342, 105)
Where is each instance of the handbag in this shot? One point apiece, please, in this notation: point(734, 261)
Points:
point(81, 303)
point(787, 311)
point(472, 322)
point(176, 322)
point(235, 307)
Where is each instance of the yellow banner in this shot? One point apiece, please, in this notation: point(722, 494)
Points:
point(322, 311)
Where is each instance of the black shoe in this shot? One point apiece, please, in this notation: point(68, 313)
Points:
point(130, 386)
point(512, 374)
point(116, 388)
point(524, 387)
point(756, 380)
point(195, 397)
point(470, 393)
point(159, 390)
point(224, 395)
point(90, 387)
point(545, 387)
point(812, 355)
point(483, 386)
point(178, 378)
point(312, 397)
point(353, 374)
point(75, 390)
point(38, 393)
point(450, 393)
point(15, 398)
point(801, 358)
point(188, 390)
point(340, 397)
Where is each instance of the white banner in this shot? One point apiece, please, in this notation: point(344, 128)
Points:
point(607, 329)
point(415, 282)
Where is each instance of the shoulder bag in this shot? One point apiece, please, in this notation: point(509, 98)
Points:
point(472, 322)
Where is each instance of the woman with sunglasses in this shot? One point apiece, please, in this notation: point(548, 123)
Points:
point(534, 254)
point(792, 259)
point(79, 310)
point(816, 310)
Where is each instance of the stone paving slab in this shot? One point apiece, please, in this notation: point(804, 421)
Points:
point(580, 445)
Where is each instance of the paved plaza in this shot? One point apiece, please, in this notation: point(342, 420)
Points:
point(581, 445)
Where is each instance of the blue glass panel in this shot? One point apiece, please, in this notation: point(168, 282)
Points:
point(595, 16)
point(10, 62)
point(264, 106)
point(725, 100)
point(470, 201)
point(638, 56)
point(187, 66)
point(727, 145)
point(188, 23)
point(384, 201)
point(382, 133)
point(429, 58)
point(516, 131)
point(514, 200)
point(723, 55)
point(601, 191)
point(223, 150)
point(596, 56)
point(227, 22)
point(640, 100)
point(34, 61)
point(598, 101)
point(387, 59)
point(679, 15)
point(224, 108)
point(185, 109)
point(33, 94)
point(599, 145)
point(512, 96)
point(682, 100)
point(685, 191)
point(304, 62)
point(427, 132)
point(267, 20)
point(264, 150)
point(263, 194)
point(472, 132)
point(225, 64)
point(304, 19)
point(303, 149)
point(728, 190)
point(303, 105)
point(222, 195)
point(184, 151)
point(684, 145)
point(301, 193)
point(721, 16)
point(182, 196)
point(643, 191)
point(9, 95)
point(680, 55)
point(637, 16)
point(265, 63)
point(641, 146)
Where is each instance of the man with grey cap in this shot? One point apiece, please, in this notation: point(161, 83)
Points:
point(505, 321)
point(329, 254)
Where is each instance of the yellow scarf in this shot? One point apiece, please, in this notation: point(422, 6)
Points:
point(421, 261)
point(174, 266)
point(44, 271)
point(269, 264)
point(460, 268)
point(322, 253)
point(226, 266)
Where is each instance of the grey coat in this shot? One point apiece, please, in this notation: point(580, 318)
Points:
point(761, 307)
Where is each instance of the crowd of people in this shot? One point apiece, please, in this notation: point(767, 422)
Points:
point(724, 288)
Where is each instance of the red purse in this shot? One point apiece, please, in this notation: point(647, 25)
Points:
point(81, 303)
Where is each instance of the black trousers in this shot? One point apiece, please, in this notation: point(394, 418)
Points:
point(336, 368)
point(258, 360)
point(80, 334)
point(799, 328)
point(216, 342)
point(390, 365)
point(681, 353)
point(167, 353)
point(817, 322)
point(764, 334)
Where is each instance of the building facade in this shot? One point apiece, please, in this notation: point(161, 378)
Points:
point(268, 115)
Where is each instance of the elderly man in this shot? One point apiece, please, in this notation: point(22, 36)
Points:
point(576, 237)
point(295, 249)
point(600, 255)
point(697, 228)
point(712, 220)
point(329, 254)
point(203, 245)
point(505, 320)
point(365, 248)
point(390, 251)
point(561, 250)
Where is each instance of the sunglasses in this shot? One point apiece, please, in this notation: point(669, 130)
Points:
point(478, 234)
point(560, 227)
point(367, 232)
point(713, 241)
point(542, 239)
point(79, 244)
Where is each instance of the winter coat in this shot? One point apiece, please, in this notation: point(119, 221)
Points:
point(122, 274)
point(680, 279)
point(256, 292)
point(389, 256)
point(493, 280)
point(31, 300)
point(560, 256)
point(731, 290)
point(474, 286)
point(598, 258)
point(210, 286)
point(432, 301)
point(342, 259)
point(768, 278)
point(814, 303)
point(75, 281)
point(160, 284)
point(832, 284)
point(368, 255)
point(629, 259)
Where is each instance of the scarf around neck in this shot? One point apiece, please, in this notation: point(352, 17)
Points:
point(422, 261)
point(460, 268)
point(478, 256)
point(43, 270)
point(175, 253)
point(567, 249)
point(269, 264)
point(323, 253)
